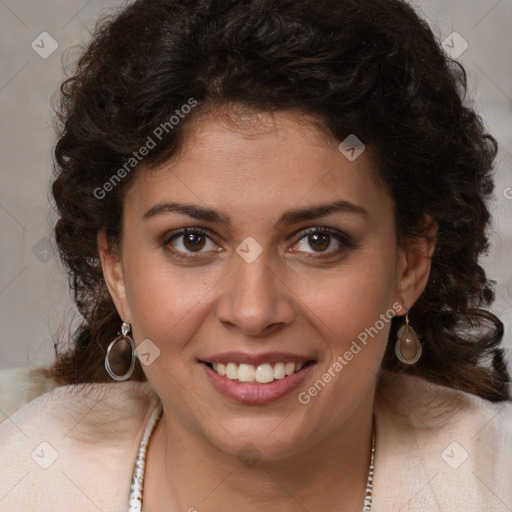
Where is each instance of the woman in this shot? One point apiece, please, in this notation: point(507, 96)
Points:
point(272, 214)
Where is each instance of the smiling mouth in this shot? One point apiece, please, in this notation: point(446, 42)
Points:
point(257, 374)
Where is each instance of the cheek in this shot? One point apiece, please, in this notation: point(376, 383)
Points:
point(346, 313)
point(351, 309)
point(352, 297)
point(168, 303)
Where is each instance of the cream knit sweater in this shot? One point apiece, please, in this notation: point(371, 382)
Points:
point(74, 448)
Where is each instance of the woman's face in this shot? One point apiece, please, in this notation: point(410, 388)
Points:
point(264, 281)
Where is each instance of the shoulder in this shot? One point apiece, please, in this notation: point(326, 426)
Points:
point(19, 386)
point(75, 444)
point(444, 447)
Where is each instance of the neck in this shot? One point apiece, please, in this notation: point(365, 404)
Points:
point(185, 472)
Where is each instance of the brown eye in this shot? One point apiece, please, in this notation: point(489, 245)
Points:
point(193, 241)
point(319, 241)
point(323, 240)
point(188, 242)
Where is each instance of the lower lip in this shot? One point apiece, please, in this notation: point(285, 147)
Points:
point(256, 393)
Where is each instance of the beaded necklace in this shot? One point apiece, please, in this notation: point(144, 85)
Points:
point(137, 485)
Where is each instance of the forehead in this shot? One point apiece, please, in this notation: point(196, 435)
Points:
point(259, 162)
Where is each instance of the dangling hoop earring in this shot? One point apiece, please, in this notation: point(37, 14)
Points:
point(407, 347)
point(125, 329)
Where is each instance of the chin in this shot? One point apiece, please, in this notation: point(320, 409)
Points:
point(264, 439)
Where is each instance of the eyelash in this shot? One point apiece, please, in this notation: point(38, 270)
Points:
point(341, 237)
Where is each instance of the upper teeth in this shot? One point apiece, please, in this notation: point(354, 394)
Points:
point(263, 373)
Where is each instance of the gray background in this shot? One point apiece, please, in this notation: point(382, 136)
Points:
point(34, 299)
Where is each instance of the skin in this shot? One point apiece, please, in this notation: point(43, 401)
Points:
point(292, 298)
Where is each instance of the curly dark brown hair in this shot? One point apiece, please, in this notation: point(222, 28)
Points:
point(366, 67)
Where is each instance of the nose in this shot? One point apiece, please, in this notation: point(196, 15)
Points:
point(255, 299)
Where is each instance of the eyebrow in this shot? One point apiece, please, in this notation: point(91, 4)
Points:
point(289, 217)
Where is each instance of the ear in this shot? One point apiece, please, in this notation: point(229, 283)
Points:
point(414, 263)
point(113, 275)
